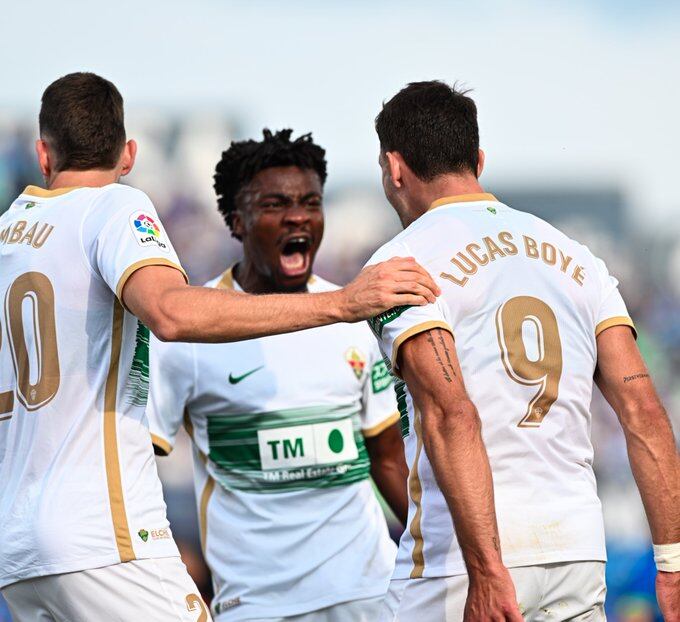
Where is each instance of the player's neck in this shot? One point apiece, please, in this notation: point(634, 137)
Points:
point(88, 179)
point(449, 186)
point(253, 282)
point(438, 188)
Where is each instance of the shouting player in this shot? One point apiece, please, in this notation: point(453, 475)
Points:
point(285, 429)
point(83, 529)
point(506, 359)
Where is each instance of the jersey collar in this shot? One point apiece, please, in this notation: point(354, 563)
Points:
point(463, 198)
point(227, 280)
point(36, 191)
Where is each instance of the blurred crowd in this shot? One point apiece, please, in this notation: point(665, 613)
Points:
point(176, 160)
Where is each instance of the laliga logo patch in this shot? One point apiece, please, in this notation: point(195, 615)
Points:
point(147, 231)
point(357, 361)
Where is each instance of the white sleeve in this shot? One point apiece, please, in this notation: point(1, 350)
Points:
point(612, 309)
point(171, 386)
point(395, 326)
point(379, 402)
point(124, 233)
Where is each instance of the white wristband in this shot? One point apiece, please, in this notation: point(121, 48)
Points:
point(667, 557)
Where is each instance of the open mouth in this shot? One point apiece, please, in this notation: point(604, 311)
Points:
point(295, 255)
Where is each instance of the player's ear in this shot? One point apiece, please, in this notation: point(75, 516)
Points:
point(127, 158)
point(395, 166)
point(480, 163)
point(44, 159)
point(237, 228)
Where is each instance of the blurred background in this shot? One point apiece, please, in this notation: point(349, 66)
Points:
point(577, 109)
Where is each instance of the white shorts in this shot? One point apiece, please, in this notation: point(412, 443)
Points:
point(145, 590)
point(545, 593)
point(364, 610)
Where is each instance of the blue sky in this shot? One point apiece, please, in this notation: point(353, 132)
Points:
point(575, 92)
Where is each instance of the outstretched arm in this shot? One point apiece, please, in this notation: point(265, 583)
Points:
point(451, 434)
point(174, 311)
point(623, 378)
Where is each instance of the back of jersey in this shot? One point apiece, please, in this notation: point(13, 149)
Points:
point(524, 303)
point(76, 464)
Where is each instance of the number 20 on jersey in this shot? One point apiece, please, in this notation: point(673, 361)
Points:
point(28, 332)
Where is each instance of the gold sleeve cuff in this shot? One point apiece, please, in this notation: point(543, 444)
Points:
point(411, 332)
point(162, 447)
point(154, 261)
point(382, 426)
point(620, 320)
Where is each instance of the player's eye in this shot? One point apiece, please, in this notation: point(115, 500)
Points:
point(273, 205)
point(313, 204)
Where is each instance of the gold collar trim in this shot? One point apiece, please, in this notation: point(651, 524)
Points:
point(463, 198)
point(36, 191)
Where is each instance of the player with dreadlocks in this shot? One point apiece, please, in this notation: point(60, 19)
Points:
point(286, 430)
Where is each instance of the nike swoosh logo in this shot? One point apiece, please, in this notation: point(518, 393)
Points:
point(236, 379)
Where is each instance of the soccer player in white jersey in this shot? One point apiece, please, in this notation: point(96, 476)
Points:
point(285, 429)
point(83, 529)
point(498, 379)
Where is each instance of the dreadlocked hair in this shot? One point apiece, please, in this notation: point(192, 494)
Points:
point(245, 159)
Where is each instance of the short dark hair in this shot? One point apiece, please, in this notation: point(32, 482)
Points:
point(81, 119)
point(245, 159)
point(434, 128)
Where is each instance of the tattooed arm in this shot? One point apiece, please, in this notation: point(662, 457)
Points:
point(450, 429)
point(624, 381)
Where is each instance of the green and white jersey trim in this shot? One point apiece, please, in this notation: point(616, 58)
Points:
point(137, 391)
point(287, 450)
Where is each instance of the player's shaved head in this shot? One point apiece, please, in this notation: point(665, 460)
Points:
point(82, 122)
point(434, 128)
point(245, 159)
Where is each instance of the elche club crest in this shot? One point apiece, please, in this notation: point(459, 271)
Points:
point(356, 360)
point(147, 231)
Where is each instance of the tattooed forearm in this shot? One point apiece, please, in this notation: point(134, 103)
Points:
point(634, 377)
point(440, 335)
point(446, 366)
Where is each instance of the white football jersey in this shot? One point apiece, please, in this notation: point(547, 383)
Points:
point(524, 303)
point(79, 483)
point(289, 521)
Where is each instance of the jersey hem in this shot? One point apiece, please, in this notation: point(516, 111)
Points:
point(152, 261)
point(382, 426)
point(246, 612)
point(509, 562)
point(412, 332)
point(89, 563)
point(161, 445)
point(619, 320)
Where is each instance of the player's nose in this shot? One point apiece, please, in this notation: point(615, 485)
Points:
point(296, 214)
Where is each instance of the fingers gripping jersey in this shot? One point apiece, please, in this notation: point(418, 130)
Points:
point(79, 484)
point(524, 303)
point(288, 517)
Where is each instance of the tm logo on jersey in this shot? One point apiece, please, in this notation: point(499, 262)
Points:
point(147, 231)
point(307, 445)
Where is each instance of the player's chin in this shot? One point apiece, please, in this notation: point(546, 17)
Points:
point(293, 282)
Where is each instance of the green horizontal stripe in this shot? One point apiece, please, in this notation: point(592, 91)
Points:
point(234, 451)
